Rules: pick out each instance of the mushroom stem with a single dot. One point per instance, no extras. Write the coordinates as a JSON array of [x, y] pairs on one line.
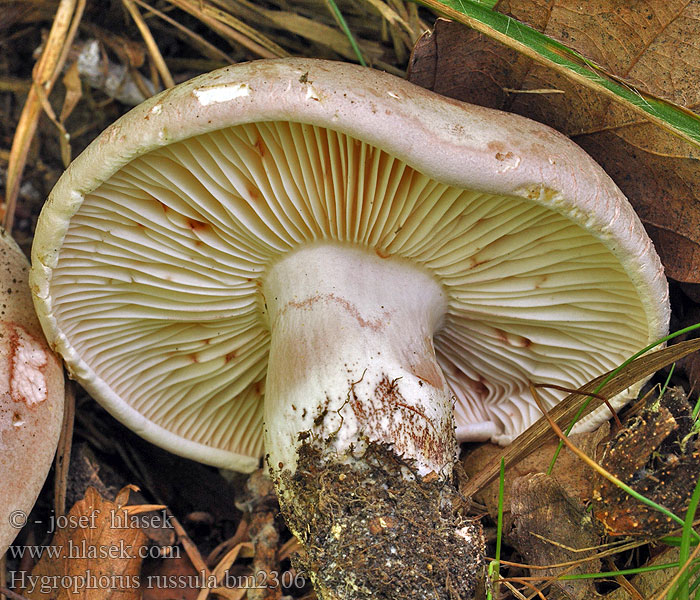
[[359, 427], [352, 358]]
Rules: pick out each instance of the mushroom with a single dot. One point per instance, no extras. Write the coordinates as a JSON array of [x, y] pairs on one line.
[[31, 396], [379, 264]]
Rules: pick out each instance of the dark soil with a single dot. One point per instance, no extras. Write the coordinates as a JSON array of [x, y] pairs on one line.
[[374, 528]]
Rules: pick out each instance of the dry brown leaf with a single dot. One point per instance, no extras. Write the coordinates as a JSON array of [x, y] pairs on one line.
[[649, 583], [577, 481], [177, 569], [549, 527], [74, 91], [96, 556], [651, 44]]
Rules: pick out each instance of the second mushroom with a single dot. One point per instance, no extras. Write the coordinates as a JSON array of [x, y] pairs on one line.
[[328, 266]]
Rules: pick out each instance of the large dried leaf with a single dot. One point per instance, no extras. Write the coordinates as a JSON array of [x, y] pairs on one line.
[[96, 556], [550, 527], [652, 44], [567, 470]]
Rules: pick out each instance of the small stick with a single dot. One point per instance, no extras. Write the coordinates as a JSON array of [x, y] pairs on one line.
[[261, 512], [65, 444]]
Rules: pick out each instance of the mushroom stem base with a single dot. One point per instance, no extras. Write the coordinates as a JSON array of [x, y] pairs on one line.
[[374, 528], [352, 358]]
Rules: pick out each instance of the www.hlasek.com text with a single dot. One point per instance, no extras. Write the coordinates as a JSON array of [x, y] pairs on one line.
[[84, 550]]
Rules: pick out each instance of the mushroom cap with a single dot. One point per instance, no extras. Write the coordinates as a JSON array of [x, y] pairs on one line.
[[150, 252], [31, 395]]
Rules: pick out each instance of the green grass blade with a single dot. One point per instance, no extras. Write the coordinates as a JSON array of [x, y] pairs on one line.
[[499, 526], [346, 30], [682, 591], [495, 565], [635, 571], [674, 540], [668, 380], [695, 586], [547, 51]]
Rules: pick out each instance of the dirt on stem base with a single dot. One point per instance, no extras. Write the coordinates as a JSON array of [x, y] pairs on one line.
[[373, 528]]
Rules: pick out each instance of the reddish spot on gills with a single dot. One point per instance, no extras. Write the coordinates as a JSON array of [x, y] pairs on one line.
[[254, 194], [466, 384], [260, 147], [195, 225], [512, 339]]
